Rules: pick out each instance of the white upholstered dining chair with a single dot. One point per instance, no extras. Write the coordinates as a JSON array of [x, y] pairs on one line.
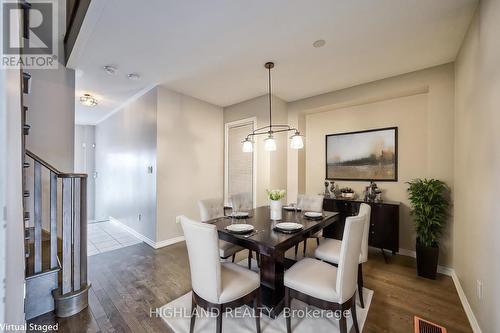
[[242, 202], [211, 209], [216, 286], [309, 203], [326, 286], [329, 250]]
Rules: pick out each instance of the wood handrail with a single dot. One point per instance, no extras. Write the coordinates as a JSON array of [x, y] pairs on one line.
[[58, 173]]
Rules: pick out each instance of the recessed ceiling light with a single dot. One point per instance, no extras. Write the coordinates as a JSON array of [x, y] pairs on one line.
[[319, 43], [88, 100], [133, 76], [111, 70]]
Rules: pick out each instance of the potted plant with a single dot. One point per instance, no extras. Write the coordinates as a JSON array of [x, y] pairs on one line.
[[429, 204], [275, 197]]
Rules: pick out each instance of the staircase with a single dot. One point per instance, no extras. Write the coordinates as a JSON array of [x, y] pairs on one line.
[[55, 224]]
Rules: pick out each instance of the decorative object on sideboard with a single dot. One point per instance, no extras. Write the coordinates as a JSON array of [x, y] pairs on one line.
[[334, 190], [347, 193], [429, 199], [363, 155], [296, 140], [327, 191], [275, 204], [373, 193]]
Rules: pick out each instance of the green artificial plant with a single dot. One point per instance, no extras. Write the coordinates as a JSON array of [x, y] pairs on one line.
[[429, 203]]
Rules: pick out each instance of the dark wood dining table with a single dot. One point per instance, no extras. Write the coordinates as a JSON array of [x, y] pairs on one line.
[[271, 246]]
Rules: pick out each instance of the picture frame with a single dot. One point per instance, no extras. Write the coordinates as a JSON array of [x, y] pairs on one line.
[[368, 155]]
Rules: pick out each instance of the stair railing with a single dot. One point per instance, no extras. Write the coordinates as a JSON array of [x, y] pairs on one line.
[[71, 241]]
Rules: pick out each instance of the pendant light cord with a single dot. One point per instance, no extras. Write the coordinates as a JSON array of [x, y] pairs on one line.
[[270, 104]]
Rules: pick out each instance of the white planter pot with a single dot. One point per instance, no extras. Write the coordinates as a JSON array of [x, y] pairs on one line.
[[276, 211]]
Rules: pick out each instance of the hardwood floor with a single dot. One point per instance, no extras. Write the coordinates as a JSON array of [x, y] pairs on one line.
[[128, 282]]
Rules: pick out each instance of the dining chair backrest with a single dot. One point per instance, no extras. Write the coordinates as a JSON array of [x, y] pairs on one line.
[[310, 203], [347, 273], [210, 209], [365, 212], [242, 202], [204, 263]]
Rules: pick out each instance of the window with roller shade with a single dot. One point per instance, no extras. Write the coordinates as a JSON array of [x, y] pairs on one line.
[[238, 165]]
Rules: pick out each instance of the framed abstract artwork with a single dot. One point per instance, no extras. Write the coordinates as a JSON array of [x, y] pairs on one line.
[[363, 155]]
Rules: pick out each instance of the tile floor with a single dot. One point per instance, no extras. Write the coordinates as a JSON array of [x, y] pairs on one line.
[[108, 236]]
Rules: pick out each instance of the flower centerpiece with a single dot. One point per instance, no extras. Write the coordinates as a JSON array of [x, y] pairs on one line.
[[275, 197]]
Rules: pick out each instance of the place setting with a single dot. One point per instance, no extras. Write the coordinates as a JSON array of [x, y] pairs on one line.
[[288, 227], [313, 215]]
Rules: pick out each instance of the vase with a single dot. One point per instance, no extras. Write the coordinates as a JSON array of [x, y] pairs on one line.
[[276, 211]]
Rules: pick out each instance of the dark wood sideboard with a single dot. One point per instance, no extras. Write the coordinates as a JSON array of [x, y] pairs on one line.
[[384, 221]]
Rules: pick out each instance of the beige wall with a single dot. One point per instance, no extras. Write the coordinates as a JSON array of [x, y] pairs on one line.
[[271, 166], [477, 165], [189, 158], [51, 115], [419, 103]]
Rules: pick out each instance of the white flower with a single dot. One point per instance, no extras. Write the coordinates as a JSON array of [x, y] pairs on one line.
[[276, 194]]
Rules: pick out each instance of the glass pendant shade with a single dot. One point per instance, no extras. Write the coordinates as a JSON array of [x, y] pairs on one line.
[[247, 146], [270, 143], [296, 141]]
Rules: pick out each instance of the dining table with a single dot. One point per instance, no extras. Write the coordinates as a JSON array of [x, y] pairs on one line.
[[271, 245]]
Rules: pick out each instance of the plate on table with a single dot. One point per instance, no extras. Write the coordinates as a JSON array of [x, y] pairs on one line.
[[292, 208], [240, 215], [240, 228], [288, 227], [313, 215]]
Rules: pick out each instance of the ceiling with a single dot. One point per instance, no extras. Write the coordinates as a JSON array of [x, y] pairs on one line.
[[215, 50]]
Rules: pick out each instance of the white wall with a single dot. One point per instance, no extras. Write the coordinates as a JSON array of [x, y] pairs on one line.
[[85, 162], [271, 166], [419, 103], [125, 147], [477, 165], [190, 154], [14, 232], [11, 227]]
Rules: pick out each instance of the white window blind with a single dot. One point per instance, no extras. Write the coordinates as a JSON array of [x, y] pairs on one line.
[[239, 164]]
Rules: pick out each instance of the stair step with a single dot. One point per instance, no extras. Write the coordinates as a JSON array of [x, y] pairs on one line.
[[26, 82], [26, 194], [26, 129], [26, 165], [39, 299], [26, 216]]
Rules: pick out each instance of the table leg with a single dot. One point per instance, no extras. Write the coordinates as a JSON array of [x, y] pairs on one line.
[[272, 270], [383, 253]]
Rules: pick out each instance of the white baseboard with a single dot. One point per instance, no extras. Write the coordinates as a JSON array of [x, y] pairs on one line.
[[465, 303], [168, 242], [147, 240], [461, 294]]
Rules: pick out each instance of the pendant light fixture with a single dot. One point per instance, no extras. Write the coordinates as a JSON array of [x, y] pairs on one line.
[[296, 140]]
